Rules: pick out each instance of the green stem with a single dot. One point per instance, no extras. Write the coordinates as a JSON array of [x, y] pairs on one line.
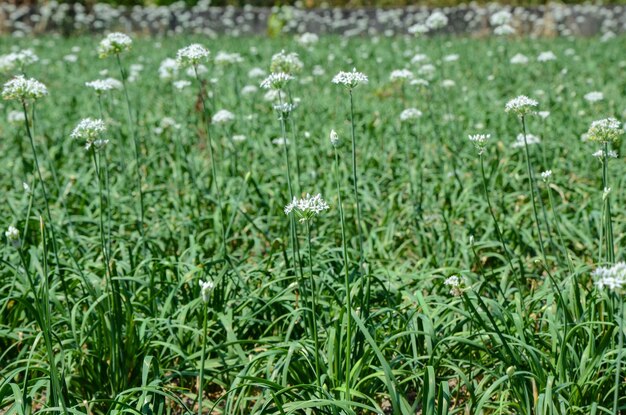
[[344, 245], [131, 129], [619, 354], [610, 250], [313, 307], [213, 165], [531, 183], [205, 312]]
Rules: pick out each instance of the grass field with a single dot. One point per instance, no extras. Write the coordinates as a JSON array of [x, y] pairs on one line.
[[160, 274]]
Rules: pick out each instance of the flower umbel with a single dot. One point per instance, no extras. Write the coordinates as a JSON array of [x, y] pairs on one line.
[[350, 80], [307, 207], [521, 106], [114, 44], [479, 141], [612, 278], [90, 130], [21, 88], [276, 80], [605, 130], [205, 290], [192, 55], [13, 236]]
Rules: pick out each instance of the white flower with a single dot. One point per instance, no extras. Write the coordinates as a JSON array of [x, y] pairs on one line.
[[605, 130], [544, 114], [456, 284], [436, 20], [238, 138], [288, 63], [22, 89], [103, 85], [307, 207], [168, 69], [420, 57], [192, 55], [600, 154], [546, 175], [205, 290], [280, 141], [19, 60], [90, 130], [504, 30], [422, 83], [479, 141], [276, 80], [13, 236], [519, 59], [180, 85], [521, 106], [307, 39], [256, 73], [334, 138], [501, 17], [448, 83], [114, 44], [225, 58], [350, 80], [223, 117], [612, 278], [400, 75], [410, 114], [418, 29], [530, 139], [594, 96], [16, 117], [546, 56]]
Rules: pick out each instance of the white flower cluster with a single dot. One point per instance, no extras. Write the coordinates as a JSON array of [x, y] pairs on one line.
[[307, 207], [103, 85], [350, 80], [114, 44], [90, 130], [605, 130], [479, 141], [13, 236], [546, 175], [521, 106], [437, 20], [22, 89], [519, 59], [612, 278], [334, 138], [288, 63], [168, 69], [410, 114], [205, 290], [400, 75], [600, 154], [19, 59], [594, 96], [223, 117], [456, 285], [530, 140], [192, 55], [276, 80], [225, 58], [16, 117], [307, 39], [546, 56]]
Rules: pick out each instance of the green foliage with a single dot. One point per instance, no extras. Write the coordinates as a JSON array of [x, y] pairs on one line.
[[533, 336]]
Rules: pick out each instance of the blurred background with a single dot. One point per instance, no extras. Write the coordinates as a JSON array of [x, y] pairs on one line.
[[312, 3]]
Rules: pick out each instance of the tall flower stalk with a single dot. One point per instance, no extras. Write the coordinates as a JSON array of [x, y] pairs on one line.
[[28, 91], [191, 56], [523, 106], [114, 45], [606, 132], [205, 292], [334, 140], [351, 80], [306, 209], [278, 81]]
